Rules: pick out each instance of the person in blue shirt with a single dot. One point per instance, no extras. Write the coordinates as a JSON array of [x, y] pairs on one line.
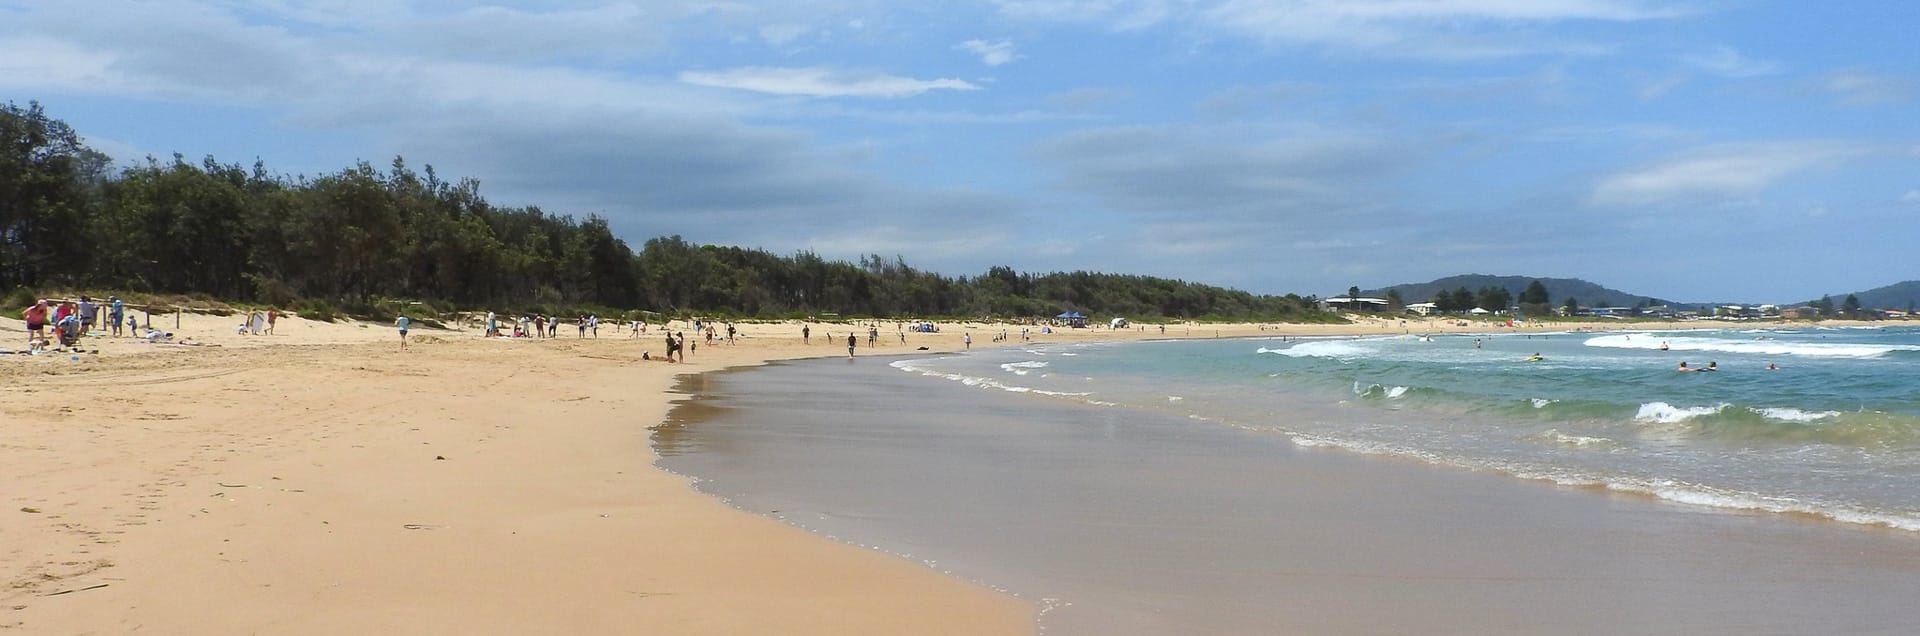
[[116, 314], [401, 323]]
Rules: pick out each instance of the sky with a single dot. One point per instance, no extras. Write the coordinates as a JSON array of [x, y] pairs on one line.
[[1697, 150]]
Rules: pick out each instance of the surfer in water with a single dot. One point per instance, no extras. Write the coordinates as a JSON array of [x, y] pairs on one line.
[[1535, 357]]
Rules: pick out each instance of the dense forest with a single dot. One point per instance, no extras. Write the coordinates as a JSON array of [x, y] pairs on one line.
[[364, 237]]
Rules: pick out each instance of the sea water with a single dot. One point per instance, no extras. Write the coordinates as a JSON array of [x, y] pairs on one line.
[[1808, 420]]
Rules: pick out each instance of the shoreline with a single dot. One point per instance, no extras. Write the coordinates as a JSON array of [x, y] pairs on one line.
[[1131, 521], [295, 482]]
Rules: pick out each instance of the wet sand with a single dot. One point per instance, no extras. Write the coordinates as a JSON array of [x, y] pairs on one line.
[[1121, 522]]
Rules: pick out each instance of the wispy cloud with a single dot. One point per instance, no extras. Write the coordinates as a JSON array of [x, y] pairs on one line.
[[820, 82], [1445, 29], [1725, 61], [993, 53], [1724, 171], [1856, 88]]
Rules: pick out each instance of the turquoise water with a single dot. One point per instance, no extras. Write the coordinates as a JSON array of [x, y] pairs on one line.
[[1833, 431]]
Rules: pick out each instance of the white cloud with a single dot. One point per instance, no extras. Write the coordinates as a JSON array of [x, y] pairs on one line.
[[1912, 196], [1721, 172], [1449, 29], [820, 82], [1727, 62], [781, 34], [991, 53], [1120, 15], [1855, 88]]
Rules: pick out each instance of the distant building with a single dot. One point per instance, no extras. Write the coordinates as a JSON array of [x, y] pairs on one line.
[[1424, 309], [1344, 303], [1799, 313]]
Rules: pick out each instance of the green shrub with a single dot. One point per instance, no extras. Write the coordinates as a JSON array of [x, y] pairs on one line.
[[316, 309], [19, 299]]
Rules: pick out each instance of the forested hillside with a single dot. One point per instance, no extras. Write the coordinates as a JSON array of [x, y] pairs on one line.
[[70, 219]]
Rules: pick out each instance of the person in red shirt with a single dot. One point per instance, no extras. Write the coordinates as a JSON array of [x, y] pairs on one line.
[[36, 317]]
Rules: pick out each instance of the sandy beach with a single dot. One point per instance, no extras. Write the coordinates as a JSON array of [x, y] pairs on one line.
[[322, 480]]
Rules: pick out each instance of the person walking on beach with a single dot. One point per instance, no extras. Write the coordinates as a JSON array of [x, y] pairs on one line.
[[851, 341], [401, 324]]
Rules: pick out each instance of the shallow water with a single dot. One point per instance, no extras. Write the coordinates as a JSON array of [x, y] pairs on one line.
[[1124, 520]]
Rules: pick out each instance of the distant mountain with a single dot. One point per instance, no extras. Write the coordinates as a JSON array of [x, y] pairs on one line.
[[1896, 296], [1589, 294]]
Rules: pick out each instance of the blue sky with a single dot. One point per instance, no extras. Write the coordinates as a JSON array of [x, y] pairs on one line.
[[1702, 151]]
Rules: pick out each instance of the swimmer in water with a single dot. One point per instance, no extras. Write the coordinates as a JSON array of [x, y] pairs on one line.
[[1663, 345], [1683, 367], [1770, 367], [1712, 366]]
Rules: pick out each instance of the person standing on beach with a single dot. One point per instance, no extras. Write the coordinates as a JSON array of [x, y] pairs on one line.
[[806, 334], [851, 341], [116, 313], [968, 340], [88, 313], [401, 324], [672, 348]]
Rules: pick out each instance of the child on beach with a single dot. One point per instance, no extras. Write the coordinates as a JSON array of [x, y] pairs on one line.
[[401, 323]]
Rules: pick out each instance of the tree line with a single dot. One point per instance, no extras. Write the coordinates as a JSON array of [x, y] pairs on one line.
[[70, 219]]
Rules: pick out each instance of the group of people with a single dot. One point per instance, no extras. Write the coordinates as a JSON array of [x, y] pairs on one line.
[[538, 326], [70, 320]]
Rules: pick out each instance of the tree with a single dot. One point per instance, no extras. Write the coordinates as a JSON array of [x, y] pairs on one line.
[[1573, 306], [1394, 302], [1825, 306], [1534, 300], [44, 197], [1353, 298], [1462, 300], [1493, 298], [1851, 306]]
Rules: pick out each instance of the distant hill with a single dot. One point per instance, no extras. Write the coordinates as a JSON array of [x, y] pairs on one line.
[[1589, 294], [1896, 296]]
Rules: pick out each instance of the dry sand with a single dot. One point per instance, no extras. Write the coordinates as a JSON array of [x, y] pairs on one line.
[[321, 480]]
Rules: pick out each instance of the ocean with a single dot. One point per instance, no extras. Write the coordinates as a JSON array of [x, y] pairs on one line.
[[1831, 429], [1357, 485]]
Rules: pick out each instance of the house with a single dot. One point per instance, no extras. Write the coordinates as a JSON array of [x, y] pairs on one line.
[[1799, 313], [1343, 303], [1424, 309]]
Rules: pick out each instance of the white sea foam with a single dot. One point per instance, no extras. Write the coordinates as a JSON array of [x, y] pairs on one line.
[[976, 381], [1385, 391], [1541, 403], [1323, 349], [1665, 413], [1023, 368], [1795, 415], [1578, 441], [1669, 490], [1755, 347]]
